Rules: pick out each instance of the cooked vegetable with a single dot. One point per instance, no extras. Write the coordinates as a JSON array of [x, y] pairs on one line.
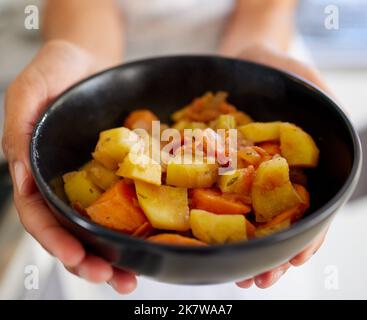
[[272, 148], [272, 192], [205, 108], [175, 239], [100, 176], [197, 174], [298, 147], [140, 119], [237, 181], [269, 230], [80, 189], [165, 207], [118, 209], [224, 121], [113, 145], [141, 167], [218, 229], [144, 186], [213, 201], [185, 124], [253, 155], [143, 231], [241, 118], [261, 131]]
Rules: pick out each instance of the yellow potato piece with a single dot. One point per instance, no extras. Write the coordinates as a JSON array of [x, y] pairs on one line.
[[102, 177], [113, 145], [80, 189], [198, 174], [217, 229], [224, 121], [260, 131], [165, 207], [272, 191], [234, 181], [298, 147], [140, 167]]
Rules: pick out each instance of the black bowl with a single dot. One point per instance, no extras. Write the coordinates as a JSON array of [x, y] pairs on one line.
[[66, 134]]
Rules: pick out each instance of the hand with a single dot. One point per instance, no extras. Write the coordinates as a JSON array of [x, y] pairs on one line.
[[277, 59], [57, 66]]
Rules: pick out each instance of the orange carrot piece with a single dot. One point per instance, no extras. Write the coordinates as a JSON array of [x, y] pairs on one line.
[[141, 119], [281, 217], [175, 239], [212, 200], [118, 209], [271, 148], [253, 155], [145, 230], [250, 229]]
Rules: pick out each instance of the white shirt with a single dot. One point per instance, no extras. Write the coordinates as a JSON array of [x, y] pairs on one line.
[[160, 27]]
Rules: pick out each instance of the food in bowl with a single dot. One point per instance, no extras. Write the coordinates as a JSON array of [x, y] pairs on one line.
[[212, 177]]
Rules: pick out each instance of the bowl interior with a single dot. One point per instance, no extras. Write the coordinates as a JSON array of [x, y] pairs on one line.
[[68, 132]]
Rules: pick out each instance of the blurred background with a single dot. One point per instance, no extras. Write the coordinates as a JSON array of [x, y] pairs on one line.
[[340, 54]]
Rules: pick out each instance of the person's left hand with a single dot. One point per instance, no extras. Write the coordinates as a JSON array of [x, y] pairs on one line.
[[268, 56]]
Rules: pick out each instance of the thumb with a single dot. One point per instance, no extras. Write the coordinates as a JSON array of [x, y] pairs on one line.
[[57, 66]]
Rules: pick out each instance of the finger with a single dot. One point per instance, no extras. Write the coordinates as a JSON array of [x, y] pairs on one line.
[[41, 224], [268, 278], [93, 269], [305, 255], [123, 282], [277, 59], [245, 284]]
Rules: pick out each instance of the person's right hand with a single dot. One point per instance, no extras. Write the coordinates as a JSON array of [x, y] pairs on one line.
[[56, 67]]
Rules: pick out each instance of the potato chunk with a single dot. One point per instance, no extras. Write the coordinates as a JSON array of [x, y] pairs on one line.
[[198, 174], [217, 229], [298, 147], [260, 131], [113, 145], [140, 167], [237, 181], [166, 207], [102, 177], [80, 189], [272, 192]]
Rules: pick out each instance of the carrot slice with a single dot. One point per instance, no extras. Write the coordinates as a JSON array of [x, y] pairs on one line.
[[143, 231], [250, 229], [271, 148], [213, 201], [287, 214], [175, 239], [141, 119], [253, 155], [118, 209]]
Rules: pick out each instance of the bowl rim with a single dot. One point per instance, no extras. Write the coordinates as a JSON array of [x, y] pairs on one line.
[[299, 227]]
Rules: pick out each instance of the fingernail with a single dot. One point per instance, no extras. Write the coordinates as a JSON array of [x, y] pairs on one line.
[[20, 175]]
